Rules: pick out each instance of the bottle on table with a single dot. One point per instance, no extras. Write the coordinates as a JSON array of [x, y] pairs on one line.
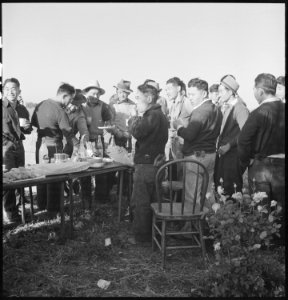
[[43, 152], [99, 146]]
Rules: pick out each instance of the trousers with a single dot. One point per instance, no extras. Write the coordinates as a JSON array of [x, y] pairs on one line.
[[143, 194]]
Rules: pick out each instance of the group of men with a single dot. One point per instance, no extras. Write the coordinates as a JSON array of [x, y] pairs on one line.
[[212, 125]]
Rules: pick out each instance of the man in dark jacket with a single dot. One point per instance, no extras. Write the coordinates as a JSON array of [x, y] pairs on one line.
[[261, 143], [150, 130]]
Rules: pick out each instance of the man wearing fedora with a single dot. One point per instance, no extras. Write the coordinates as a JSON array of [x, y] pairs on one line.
[[97, 113], [235, 114], [123, 108]]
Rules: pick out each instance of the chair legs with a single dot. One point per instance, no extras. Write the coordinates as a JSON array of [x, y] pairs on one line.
[[163, 243], [203, 248], [153, 232]]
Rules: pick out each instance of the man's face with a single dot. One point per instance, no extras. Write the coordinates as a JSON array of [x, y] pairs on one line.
[[11, 91], [172, 91], [195, 95], [214, 96], [122, 95], [66, 98], [224, 94], [280, 91], [142, 102], [93, 92]]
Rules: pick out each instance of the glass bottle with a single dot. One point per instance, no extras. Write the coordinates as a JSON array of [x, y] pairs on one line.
[[43, 152], [100, 146]]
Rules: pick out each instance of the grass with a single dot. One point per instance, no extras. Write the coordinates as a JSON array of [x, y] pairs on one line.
[[36, 263]]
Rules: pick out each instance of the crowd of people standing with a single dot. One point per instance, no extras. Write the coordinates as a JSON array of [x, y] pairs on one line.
[[209, 124]]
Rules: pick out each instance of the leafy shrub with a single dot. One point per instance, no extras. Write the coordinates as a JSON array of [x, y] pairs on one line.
[[241, 228]]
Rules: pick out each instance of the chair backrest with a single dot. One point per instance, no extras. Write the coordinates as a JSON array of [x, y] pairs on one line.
[[167, 185]]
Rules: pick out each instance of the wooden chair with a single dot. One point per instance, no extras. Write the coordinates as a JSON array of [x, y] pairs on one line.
[[166, 210]]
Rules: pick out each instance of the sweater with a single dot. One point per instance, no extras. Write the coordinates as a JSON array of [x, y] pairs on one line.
[[151, 134], [263, 133], [202, 130]]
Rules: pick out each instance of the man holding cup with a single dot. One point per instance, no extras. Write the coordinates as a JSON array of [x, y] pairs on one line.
[[12, 134]]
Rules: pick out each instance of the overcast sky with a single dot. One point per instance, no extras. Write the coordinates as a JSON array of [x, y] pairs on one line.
[[45, 44]]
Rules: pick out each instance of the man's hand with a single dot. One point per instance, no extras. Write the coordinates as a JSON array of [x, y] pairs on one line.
[[223, 149], [178, 122]]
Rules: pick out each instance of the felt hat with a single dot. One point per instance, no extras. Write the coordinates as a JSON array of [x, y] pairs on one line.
[[153, 84], [230, 83], [95, 85], [124, 85]]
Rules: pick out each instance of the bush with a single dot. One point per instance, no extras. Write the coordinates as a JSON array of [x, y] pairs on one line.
[[242, 227]]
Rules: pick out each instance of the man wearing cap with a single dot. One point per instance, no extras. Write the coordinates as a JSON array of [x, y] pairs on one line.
[[97, 113], [151, 132], [235, 114], [280, 90], [261, 143], [52, 125], [161, 100], [123, 108]]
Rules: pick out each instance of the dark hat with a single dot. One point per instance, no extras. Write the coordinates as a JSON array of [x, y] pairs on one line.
[[95, 85], [153, 84], [124, 85]]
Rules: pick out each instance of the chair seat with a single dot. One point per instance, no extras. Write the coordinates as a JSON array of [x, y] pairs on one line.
[[176, 185], [187, 213]]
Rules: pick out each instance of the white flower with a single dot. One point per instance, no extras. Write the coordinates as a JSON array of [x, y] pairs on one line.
[[256, 246], [237, 237], [260, 208], [220, 190], [252, 203], [223, 198], [257, 197], [215, 207], [273, 203], [208, 196], [237, 196], [217, 246], [263, 235]]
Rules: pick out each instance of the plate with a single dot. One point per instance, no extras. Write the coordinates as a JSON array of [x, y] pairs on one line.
[[97, 165], [107, 160], [105, 127]]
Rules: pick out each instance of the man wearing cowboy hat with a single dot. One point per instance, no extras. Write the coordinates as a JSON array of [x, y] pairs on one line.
[[97, 113], [235, 114], [123, 108]]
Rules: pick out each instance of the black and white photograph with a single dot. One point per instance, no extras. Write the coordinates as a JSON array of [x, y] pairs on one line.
[[143, 149]]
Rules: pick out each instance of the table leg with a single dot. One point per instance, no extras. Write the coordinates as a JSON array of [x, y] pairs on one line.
[[71, 200], [121, 174], [23, 205], [62, 210], [31, 203]]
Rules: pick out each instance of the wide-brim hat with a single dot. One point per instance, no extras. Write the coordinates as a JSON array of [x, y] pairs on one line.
[[124, 85], [95, 85], [230, 83], [153, 84]]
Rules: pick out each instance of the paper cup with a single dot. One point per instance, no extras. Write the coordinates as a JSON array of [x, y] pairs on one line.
[[22, 122]]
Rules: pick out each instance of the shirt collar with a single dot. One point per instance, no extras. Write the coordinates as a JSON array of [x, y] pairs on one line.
[[198, 105], [272, 99]]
